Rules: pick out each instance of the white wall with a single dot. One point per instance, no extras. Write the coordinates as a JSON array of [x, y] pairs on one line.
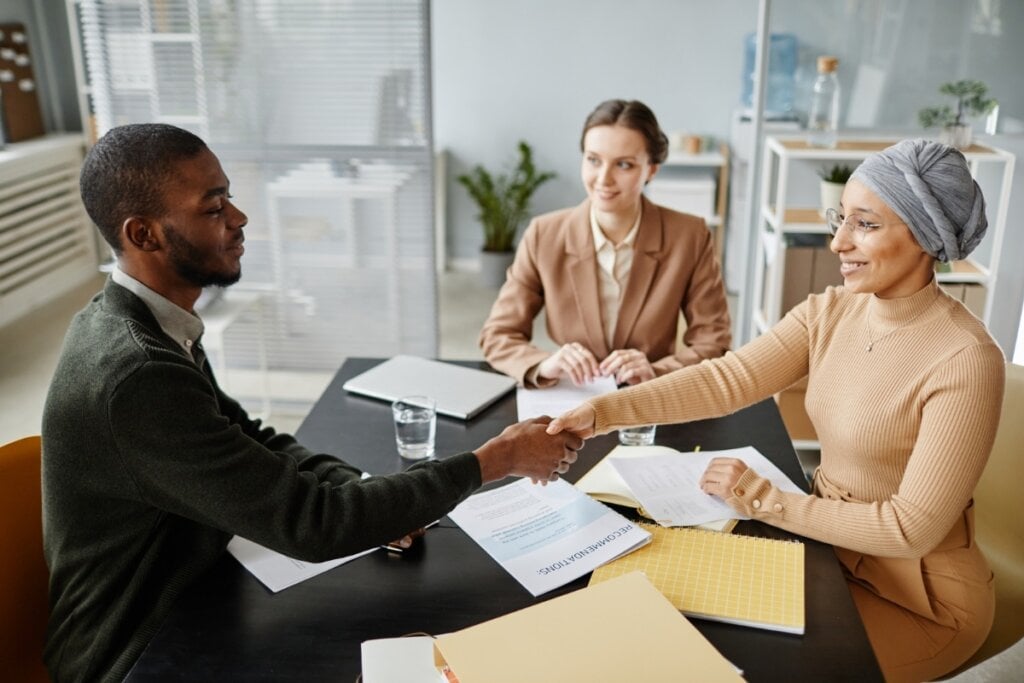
[[534, 69]]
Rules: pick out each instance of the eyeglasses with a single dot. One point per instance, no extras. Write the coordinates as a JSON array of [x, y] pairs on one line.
[[856, 223]]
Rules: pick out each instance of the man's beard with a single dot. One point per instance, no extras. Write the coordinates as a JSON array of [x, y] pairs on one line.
[[187, 261]]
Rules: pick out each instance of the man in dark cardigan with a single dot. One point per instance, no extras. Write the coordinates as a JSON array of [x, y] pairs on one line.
[[149, 468]]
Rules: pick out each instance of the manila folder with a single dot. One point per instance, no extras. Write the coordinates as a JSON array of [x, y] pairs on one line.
[[621, 630]]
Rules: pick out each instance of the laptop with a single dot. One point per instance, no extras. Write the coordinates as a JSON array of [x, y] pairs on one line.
[[458, 391]]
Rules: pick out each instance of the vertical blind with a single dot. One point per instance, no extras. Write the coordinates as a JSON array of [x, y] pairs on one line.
[[319, 112]]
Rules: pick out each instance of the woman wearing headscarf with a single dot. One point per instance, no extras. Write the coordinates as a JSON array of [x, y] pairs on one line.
[[613, 273], [904, 387]]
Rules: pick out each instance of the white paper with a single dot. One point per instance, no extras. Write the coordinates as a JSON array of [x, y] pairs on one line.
[[667, 483], [277, 571], [546, 536], [555, 400], [400, 660], [604, 483]]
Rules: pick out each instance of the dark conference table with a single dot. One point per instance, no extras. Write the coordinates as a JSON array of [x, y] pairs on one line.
[[229, 627]]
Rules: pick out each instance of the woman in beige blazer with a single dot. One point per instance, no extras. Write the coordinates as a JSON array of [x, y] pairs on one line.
[[613, 273]]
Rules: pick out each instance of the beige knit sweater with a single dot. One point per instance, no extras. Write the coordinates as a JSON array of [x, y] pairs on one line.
[[905, 428]]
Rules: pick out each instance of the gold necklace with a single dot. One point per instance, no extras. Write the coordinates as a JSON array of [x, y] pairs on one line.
[[872, 341]]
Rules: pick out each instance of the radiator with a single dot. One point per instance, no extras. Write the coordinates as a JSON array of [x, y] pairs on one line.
[[47, 243]]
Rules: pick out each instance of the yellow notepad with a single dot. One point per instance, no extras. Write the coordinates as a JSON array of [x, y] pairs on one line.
[[726, 577]]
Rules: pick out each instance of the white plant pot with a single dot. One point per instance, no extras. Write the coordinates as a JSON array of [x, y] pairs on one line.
[[959, 136], [831, 195], [493, 265]]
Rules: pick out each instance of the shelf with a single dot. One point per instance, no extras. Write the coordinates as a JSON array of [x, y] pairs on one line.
[[966, 272], [797, 220], [853, 149], [704, 159], [718, 160]]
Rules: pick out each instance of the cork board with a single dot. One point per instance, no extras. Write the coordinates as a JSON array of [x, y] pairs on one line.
[[22, 117]]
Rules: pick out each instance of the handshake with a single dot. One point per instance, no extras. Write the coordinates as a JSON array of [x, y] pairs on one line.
[[540, 448]]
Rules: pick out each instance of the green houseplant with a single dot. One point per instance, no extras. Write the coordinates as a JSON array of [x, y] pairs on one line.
[[970, 101], [504, 203], [833, 180]]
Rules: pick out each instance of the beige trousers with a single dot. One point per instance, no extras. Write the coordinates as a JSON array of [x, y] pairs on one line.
[[926, 616]]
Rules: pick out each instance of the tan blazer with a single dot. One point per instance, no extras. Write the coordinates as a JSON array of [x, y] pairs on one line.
[[674, 269]]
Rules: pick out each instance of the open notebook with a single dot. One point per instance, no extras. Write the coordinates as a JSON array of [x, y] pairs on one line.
[[603, 483], [457, 391]]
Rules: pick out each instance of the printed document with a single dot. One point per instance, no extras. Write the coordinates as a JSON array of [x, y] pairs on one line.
[[559, 398], [546, 536], [667, 483], [277, 571]]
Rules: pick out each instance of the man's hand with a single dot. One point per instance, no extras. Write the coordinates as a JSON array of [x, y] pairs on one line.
[[405, 542], [574, 361], [578, 421], [525, 449], [628, 366]]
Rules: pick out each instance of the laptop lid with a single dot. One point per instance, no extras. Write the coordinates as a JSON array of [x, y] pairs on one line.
[[458, 391]]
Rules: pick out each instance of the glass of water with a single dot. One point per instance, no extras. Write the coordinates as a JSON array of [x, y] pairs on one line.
[[637, 436], [415, 424]]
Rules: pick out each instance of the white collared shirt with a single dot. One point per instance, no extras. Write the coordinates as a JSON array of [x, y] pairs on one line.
[[615, 261], [184, 327]]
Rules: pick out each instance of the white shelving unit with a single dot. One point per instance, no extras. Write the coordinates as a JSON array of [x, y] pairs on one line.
[[787, 211], [779, 217], [715, 161]]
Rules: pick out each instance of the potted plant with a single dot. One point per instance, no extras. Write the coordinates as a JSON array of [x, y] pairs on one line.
[[833, 180], [970, 101], [504, 203]]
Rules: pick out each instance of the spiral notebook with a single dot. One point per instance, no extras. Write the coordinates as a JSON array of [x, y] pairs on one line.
[[737, 579]]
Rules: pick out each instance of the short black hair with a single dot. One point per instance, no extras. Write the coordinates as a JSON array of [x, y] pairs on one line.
[[123, 173]]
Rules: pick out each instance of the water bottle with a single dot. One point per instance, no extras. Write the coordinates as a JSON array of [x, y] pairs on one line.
[[781, 74], [823, 119]]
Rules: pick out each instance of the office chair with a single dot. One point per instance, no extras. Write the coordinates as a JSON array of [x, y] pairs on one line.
[[23, 575], [999, 524]]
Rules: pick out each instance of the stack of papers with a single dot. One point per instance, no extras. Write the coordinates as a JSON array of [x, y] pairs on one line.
[[546, 536], [664, 484]]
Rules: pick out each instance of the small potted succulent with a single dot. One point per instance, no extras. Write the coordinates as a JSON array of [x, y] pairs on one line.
[[833, 180], [955, 123]]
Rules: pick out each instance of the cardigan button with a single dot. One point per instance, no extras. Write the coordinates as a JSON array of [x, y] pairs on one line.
[[777, 507], [756, 505]]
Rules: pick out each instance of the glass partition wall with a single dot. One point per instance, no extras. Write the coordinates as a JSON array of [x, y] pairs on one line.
[[893, 57], [320, 114]]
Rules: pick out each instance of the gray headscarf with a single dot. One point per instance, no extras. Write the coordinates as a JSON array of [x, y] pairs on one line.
[[930, 188]]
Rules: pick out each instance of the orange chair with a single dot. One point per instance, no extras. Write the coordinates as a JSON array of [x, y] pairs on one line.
[[23, 575]]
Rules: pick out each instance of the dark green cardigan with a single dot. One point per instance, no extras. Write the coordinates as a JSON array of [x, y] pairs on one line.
[[149, 469]]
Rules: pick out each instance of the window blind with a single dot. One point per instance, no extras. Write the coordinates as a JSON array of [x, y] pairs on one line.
[[319, 113]]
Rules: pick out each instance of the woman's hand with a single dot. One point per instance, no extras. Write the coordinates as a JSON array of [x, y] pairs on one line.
[[628, 366], [573, 360], [578, 421], [721, 476]]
